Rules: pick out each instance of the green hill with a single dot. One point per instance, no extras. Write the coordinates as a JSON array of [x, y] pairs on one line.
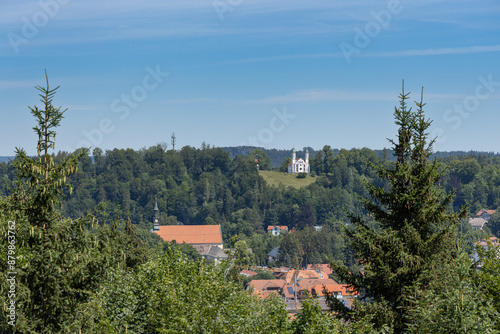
[[275, 178]]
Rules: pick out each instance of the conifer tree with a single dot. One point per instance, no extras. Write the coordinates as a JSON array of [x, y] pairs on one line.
[[53, 253], [414, 231]]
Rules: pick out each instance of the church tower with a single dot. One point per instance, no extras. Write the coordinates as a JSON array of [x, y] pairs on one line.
[[299, 165], [156, 219]]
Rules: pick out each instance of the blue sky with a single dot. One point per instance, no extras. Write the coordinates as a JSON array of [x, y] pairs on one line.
[[277, 74]]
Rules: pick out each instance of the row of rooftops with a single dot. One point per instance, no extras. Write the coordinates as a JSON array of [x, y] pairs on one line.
[[290, 284]]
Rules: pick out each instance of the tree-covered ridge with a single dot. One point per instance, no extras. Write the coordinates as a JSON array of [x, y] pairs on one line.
[[205, 186]]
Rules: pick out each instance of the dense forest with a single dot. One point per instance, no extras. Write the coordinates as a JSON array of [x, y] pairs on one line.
[[206, 186], [79, 257]]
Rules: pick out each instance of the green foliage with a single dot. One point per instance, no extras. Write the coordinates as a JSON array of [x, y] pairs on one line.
[[60, 261], [172, 294], [311, 320], [284, 165], [494, 223], [308, 246], [451, 303], [489, 275], [259, 157], [414, 231], [54, 274], [74, 274]]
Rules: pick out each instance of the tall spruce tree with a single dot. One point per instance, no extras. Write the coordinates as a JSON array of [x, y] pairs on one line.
[[53, 253], [414, 232]]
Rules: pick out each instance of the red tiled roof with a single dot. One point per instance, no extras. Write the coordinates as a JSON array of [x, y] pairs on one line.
[[248, 273], [304, 274], [323, 267], [281, 227], [342, 288], [191, 234], [484, 243], [487, 211], [266, 284], [305, 285], [265, 294]]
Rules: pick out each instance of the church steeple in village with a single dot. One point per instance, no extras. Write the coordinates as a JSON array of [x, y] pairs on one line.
[[156, 218]]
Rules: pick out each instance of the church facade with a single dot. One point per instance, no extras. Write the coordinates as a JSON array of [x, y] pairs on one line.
[[299, 165]]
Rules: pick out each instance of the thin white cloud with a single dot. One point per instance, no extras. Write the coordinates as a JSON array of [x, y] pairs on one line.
[[325, 95], [401, 53], [435, 51], [333, 95]]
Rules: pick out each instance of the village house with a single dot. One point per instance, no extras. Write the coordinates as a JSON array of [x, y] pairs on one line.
[[485, 214], [201, 237], [303, 287], [248, 273], [291, 275], [206, 239], [322, 267], [477, 223], [264, 287], [273, 254], [276, 229]]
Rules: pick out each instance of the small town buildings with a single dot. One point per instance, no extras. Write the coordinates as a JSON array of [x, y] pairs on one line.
[[302, 288], [264, 287], [477, 223], [276, 229], [273, 254], [486, 214], [299, 165], [216, 254]]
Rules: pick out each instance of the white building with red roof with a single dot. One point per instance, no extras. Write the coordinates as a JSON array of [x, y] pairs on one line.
[[276, 229]]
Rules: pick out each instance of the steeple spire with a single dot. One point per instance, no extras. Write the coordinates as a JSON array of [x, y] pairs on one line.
[[156, 219]]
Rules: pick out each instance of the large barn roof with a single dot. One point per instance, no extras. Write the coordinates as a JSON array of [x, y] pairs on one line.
[[191, 234]]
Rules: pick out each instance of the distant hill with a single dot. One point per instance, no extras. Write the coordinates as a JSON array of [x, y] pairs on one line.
[[277, 178], [277, 156], [5, 159]]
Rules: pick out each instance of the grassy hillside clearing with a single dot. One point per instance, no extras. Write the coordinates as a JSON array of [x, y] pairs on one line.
[[276, 178]]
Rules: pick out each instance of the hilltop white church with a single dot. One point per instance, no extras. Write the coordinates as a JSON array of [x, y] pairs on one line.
[[299, 165]]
